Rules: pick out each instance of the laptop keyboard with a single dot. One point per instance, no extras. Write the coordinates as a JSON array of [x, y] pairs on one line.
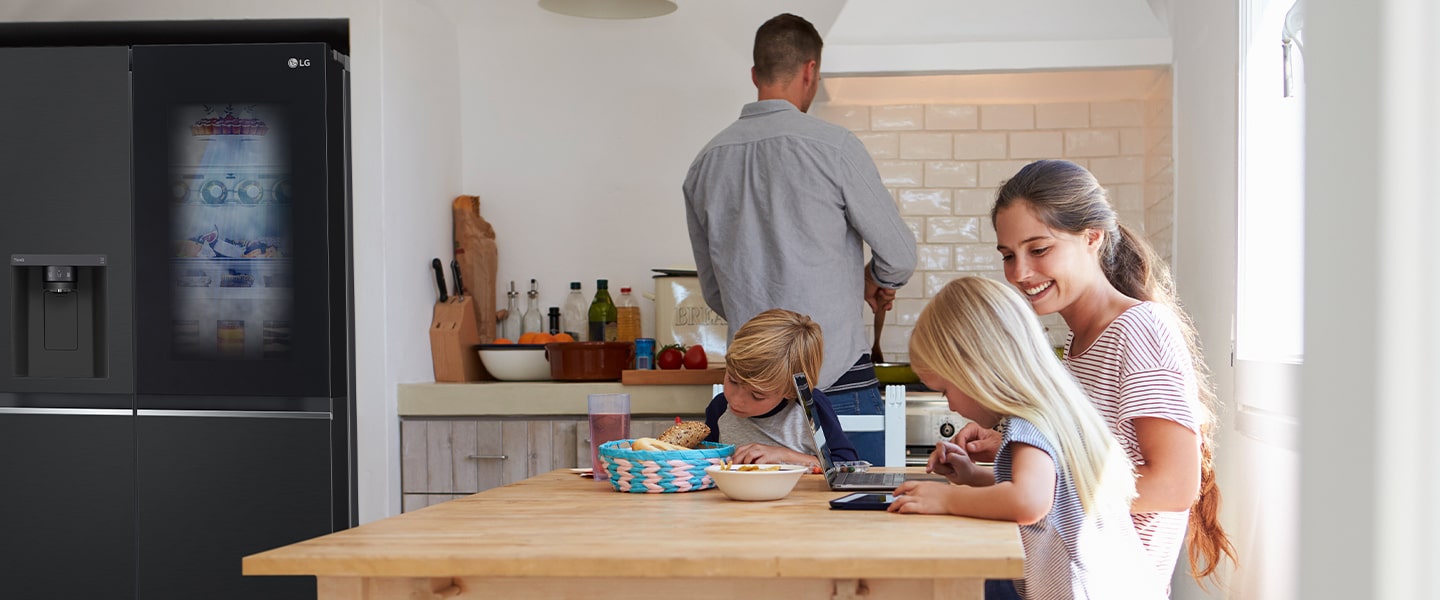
[[870, 478]]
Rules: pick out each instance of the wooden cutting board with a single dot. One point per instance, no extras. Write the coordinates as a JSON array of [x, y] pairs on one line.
[[672, 377]]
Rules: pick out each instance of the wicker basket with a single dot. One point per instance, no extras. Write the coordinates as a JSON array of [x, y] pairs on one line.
[[661, 472]]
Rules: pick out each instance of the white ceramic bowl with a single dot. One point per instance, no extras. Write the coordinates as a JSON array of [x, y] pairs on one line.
[[767, 482], [515, 362]]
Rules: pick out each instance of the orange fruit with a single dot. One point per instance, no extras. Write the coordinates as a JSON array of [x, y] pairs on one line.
[[563, 337], [502, 341], [527, 338], [542, 338]]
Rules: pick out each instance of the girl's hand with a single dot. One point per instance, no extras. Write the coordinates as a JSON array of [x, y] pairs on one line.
[[761, 453], [951, 461], [980, 443], [921, 497]]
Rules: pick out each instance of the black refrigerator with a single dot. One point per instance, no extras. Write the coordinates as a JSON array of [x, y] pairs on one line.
[[176, 386]]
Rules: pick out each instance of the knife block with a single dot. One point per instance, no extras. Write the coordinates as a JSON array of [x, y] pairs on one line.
[[453, 336]]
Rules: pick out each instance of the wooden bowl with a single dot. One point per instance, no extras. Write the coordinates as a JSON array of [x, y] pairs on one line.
[[589, 361]]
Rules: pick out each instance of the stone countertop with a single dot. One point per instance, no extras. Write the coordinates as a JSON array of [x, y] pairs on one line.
[[543, 398]]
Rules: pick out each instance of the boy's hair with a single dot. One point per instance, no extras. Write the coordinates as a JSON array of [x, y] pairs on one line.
[[782, 45], [771, 347], [982, 337], [1067, 197]]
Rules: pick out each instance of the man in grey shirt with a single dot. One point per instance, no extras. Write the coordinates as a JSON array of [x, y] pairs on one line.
[[779, 205]]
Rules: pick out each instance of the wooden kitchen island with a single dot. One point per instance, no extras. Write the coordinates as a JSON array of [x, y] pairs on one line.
[[558, 535]]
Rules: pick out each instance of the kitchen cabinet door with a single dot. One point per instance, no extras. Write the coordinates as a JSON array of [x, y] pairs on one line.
[[444, 458]]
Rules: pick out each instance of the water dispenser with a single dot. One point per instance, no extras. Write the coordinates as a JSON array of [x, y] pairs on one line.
[[59, 315]]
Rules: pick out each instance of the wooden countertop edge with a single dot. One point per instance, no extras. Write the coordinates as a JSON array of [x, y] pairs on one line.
[[445, 566]]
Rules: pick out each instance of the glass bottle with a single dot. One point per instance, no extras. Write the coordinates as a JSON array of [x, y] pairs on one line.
[[533, 320], [627, 317], [554, 315], [510, 329], [603, 326], [575, 318]]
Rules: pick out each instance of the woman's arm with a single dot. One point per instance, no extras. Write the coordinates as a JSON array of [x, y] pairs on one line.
[[1169, 479], [980, 443], [1025, 499], [954, 463]]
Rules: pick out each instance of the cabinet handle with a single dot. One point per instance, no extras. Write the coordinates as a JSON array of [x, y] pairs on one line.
[[487, 457]]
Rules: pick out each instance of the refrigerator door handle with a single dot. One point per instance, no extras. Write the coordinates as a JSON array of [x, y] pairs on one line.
[[99, 412], [234, 414]]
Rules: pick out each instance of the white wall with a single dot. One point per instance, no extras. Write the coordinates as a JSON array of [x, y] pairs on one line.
[[419, 175], [404, 103], [1371, 478], [578, 133], [1206, 42]]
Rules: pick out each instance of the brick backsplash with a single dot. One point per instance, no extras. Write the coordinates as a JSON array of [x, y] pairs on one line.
[[943, 163]]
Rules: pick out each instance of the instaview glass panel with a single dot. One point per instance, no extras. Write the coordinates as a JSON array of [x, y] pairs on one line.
[[231, 224]]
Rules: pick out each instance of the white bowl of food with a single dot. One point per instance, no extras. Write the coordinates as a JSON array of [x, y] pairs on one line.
[[756, 483], [515, 362]]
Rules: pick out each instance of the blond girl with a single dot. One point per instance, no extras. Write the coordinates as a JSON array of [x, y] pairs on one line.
[[1059, 472]]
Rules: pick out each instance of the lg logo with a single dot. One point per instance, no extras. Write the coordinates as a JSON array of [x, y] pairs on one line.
[[298, 62]]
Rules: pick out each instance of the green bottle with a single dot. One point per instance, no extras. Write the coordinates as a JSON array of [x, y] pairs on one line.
[[604, 325]]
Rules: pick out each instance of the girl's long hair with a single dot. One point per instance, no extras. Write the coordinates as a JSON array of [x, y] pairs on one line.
[[771, 347], [982, 337], [1066, 197]]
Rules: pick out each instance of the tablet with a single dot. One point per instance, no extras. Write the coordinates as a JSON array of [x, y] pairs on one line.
[[863, 501]]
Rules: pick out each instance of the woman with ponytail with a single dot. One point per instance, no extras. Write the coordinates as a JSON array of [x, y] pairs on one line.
[[1131, 346]]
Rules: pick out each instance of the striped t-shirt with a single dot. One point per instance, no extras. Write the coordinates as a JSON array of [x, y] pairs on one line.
[[1069, 554], [1140, 366]]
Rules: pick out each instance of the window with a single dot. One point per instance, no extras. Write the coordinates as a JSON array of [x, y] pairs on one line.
[[1270, 308]]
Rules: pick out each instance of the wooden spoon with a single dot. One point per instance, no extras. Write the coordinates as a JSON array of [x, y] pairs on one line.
[[875, 355]]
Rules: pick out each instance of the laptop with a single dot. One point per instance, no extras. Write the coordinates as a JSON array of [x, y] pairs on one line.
[[847, 480]]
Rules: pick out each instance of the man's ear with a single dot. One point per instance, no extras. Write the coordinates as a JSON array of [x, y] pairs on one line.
[[754, 77], [811, 72]]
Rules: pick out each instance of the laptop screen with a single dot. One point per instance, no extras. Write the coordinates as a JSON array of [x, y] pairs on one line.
[[807, 401]]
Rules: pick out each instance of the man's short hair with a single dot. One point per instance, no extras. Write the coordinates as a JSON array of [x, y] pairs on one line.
[[782, 45]]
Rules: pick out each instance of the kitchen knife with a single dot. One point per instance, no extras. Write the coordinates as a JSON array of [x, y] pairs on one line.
[[455, 278], [439, 278]]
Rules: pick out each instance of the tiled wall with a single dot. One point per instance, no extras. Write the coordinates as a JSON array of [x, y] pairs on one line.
[[944, 162]]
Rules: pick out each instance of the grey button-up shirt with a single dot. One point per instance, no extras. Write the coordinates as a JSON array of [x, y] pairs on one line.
[[778, 206]]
